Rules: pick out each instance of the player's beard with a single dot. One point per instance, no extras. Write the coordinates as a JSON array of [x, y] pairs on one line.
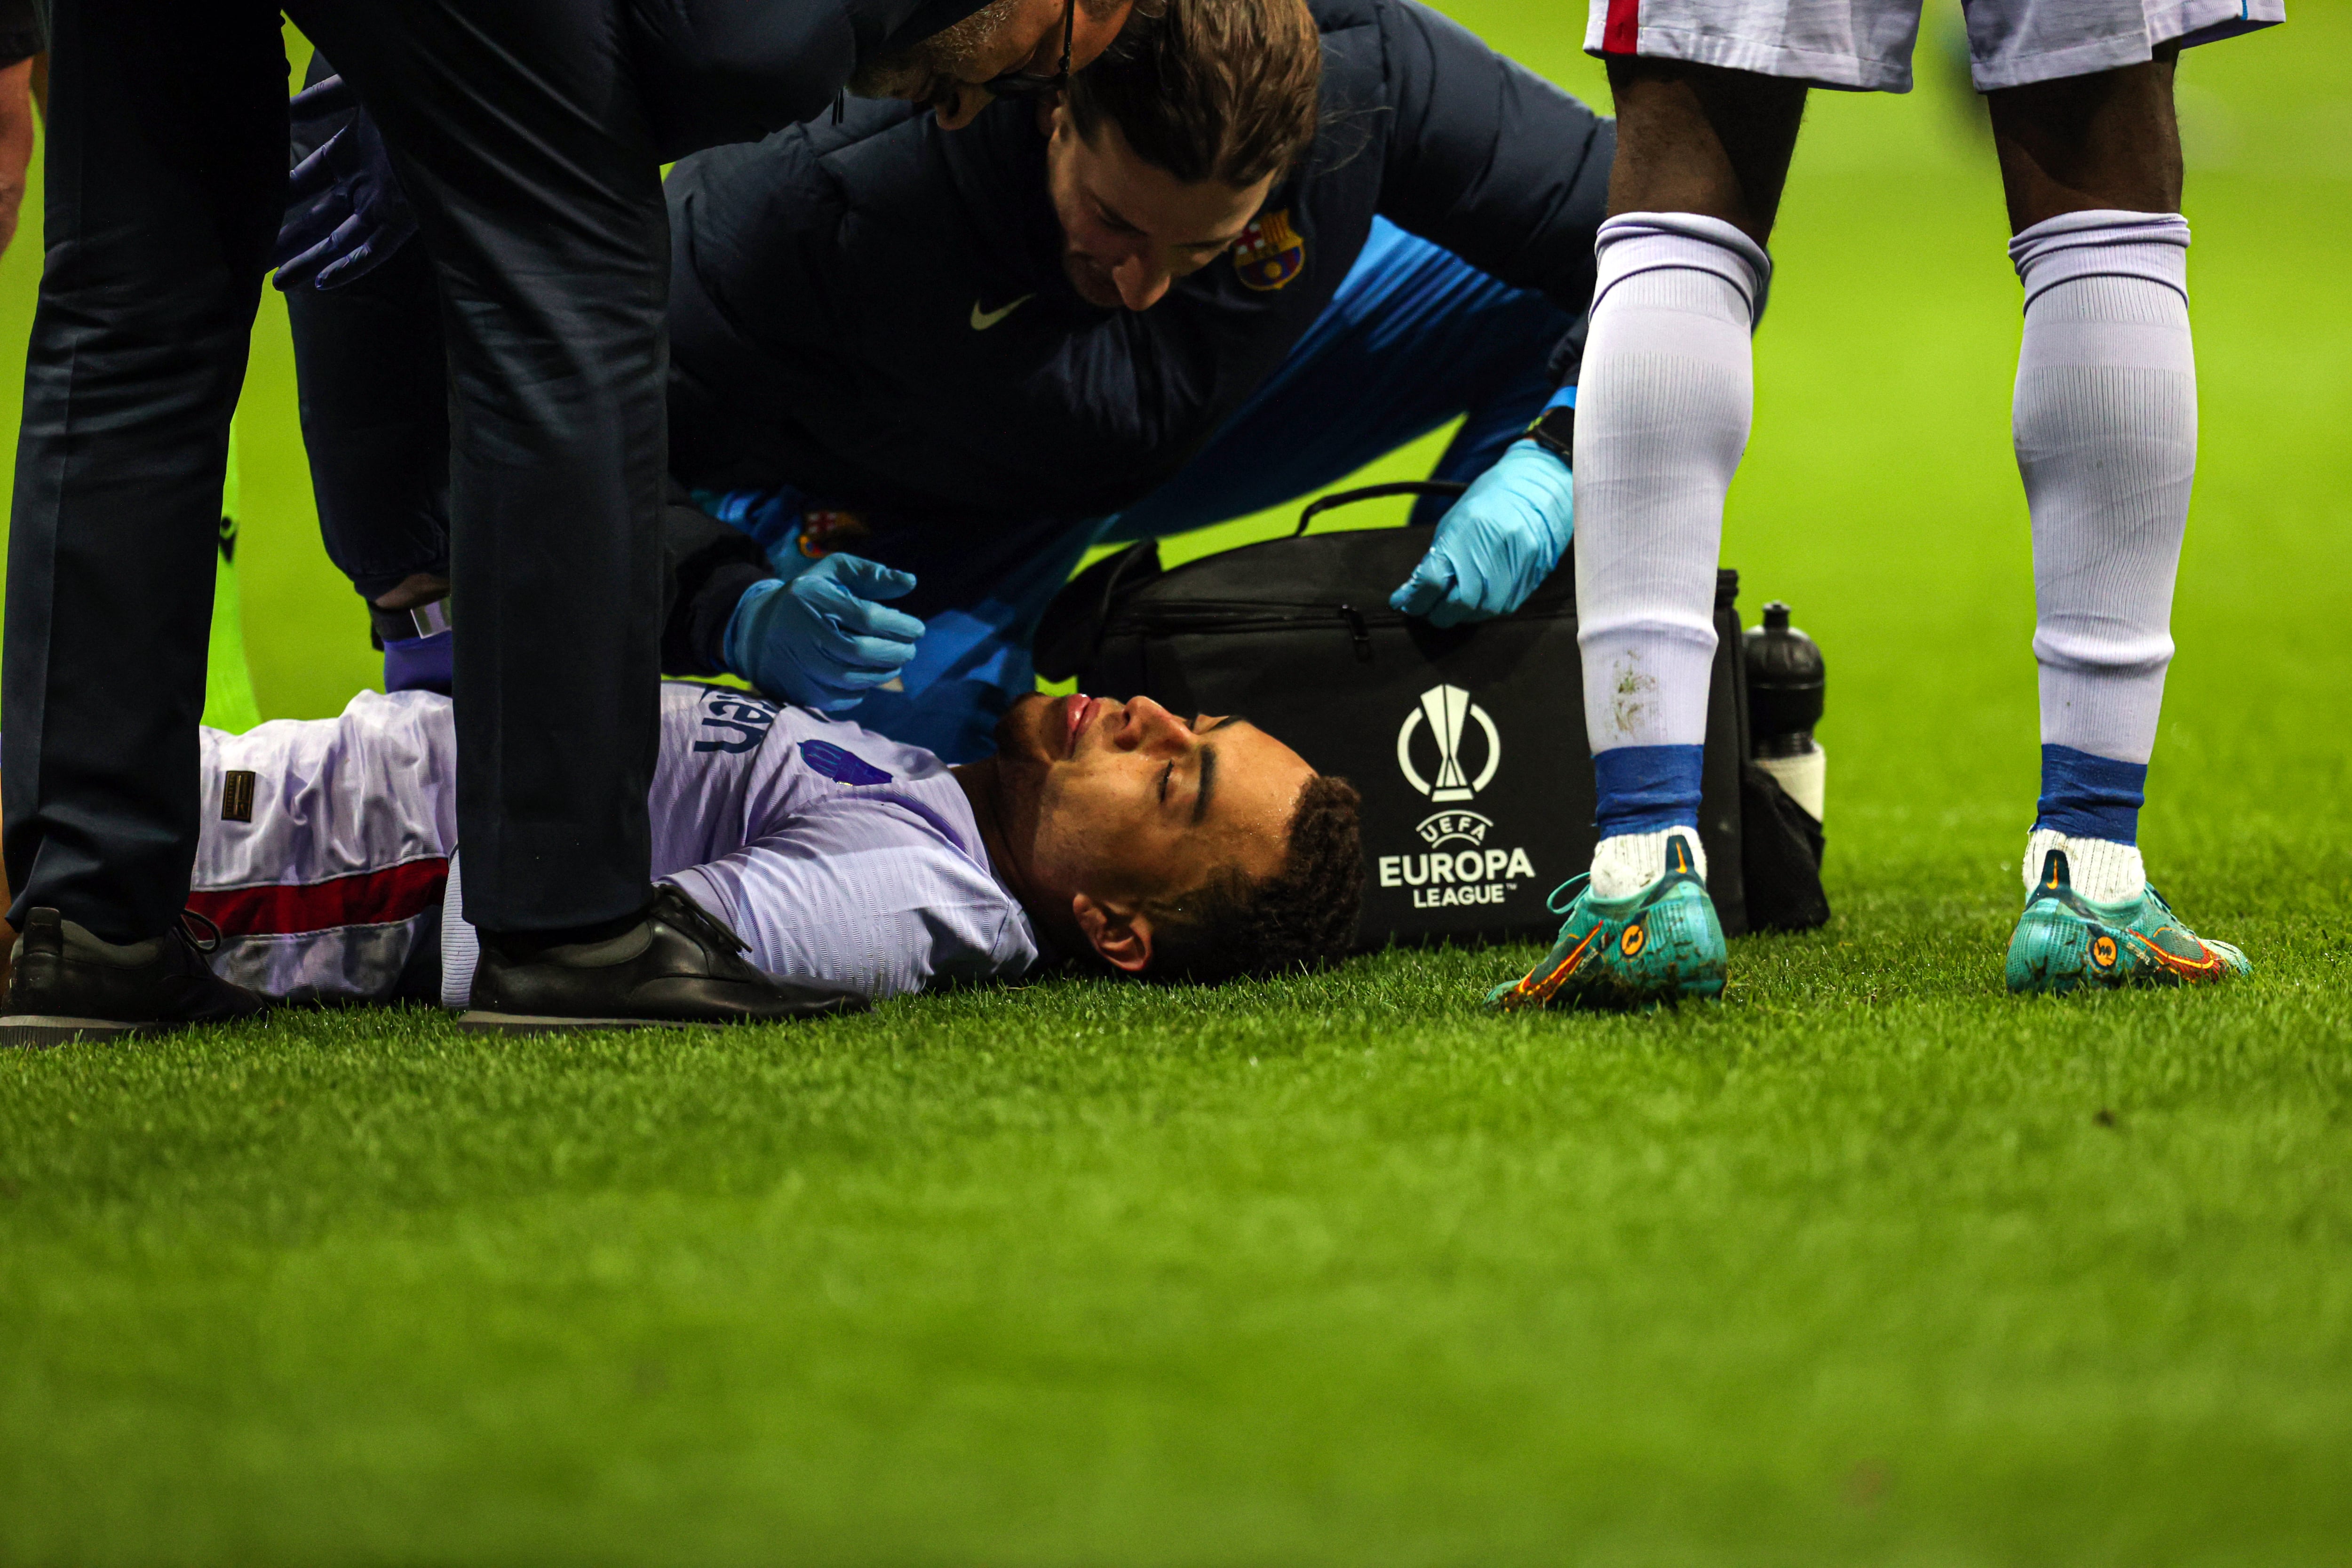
[[1021, 737], [924, 71], [1009, 786]]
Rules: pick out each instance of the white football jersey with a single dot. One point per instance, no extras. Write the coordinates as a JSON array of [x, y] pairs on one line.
[[842, 859]]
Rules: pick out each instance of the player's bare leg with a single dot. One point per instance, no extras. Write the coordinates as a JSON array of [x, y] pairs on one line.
[[2108, 141], [1662, 412], [2105, 427], [2105, 423], [1693, 139]]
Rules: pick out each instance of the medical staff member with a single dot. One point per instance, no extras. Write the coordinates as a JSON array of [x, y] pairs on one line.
[[1252, 251], [528, 136], [1230, 270]]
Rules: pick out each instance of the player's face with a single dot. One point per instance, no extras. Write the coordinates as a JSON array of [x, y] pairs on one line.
[[1126, 802], [945, 71], [1130, 230]]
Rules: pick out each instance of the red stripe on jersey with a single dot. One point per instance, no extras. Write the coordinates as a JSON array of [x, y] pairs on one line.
[[1621, 33], [361, 898]]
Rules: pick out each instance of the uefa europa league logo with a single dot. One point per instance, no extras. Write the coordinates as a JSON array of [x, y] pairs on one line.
[[1446, 710]]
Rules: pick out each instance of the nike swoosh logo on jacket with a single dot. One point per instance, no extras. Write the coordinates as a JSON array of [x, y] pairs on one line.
[[983, 320]]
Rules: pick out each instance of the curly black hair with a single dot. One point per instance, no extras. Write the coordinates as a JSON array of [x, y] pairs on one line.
[[1302, 917]]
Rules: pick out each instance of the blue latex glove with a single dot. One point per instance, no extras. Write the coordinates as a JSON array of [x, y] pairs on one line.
[[821, 640], [1497, 543], [345, 212]]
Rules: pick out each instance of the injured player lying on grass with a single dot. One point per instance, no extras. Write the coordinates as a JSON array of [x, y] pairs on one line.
[[1100, 832]]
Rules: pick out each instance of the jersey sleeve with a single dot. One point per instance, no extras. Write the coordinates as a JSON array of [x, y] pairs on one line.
[[1490, 161], [865, 895]]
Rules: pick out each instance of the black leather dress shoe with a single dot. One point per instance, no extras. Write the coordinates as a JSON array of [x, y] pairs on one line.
[[676, 966], [67, 985]]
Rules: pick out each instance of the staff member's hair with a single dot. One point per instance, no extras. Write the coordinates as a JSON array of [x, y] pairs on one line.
[[1228, 90]]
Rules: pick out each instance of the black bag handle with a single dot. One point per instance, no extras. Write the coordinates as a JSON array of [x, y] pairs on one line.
[[1070, 631], [1376, 492]]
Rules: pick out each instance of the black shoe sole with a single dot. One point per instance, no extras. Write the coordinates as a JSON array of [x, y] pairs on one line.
[[34, 1031], [38, 1031], [474, 1022]]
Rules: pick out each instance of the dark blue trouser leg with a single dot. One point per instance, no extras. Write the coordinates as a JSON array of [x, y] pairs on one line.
[[375, 421], [374, 383], [519, 133], [166, 175]]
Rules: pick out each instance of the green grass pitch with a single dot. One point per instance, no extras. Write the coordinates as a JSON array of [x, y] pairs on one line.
[[1870, 1263]]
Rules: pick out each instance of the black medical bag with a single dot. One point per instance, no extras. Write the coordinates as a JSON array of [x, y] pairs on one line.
[[1468, 744]]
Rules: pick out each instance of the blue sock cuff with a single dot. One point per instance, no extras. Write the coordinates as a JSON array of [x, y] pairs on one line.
[[1644, 789], [2091, 797]]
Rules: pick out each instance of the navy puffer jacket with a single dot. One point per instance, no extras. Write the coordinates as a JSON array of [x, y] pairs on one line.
[[826, 282]]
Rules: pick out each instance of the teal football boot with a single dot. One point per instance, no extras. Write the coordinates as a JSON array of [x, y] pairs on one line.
[[2064, 939], [1663, 944]]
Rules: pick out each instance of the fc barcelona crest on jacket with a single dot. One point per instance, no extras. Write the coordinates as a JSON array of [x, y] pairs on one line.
[[1269, 252]]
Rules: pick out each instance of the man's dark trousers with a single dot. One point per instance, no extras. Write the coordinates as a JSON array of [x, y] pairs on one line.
[[165, 182], [538, 190], [375, 381]]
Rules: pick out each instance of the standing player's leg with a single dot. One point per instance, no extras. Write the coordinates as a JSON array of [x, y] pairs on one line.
[[166, 178], [1663, 414], [2105, 424]]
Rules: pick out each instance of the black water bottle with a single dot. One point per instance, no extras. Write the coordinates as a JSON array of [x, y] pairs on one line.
[[1784, 704]]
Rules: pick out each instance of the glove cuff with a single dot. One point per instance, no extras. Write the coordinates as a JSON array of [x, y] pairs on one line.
[[1537, 459], [734, 651]]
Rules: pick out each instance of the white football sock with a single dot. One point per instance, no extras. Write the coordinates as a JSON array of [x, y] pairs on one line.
[[2106, 425], [2100, 869], [1624, 865], [1662, 416]]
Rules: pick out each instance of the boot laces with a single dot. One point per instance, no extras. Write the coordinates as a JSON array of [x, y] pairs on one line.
[[1568, 888]]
